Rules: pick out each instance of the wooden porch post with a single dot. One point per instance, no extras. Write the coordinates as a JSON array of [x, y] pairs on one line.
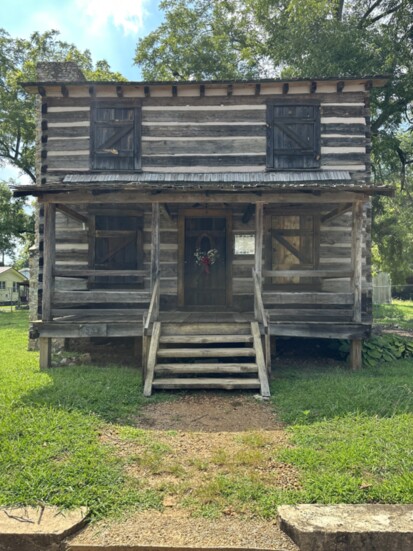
[[155, 230], [259, 234], [356, 280], [49, 255]]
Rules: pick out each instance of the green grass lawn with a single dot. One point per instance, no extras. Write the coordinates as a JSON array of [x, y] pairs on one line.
[[49, 429], [399, 313], [351, 437], [352, 432]]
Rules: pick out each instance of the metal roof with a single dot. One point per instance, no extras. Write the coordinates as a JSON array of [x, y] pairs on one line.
[[240, 178]]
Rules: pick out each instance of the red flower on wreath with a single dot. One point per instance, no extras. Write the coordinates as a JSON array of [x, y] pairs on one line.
[[206, 259]]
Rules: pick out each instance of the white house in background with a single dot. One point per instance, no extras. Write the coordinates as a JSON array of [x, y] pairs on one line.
[[11, 287], [25, 272]]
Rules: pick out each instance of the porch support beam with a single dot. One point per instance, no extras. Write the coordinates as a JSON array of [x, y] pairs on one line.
[[259, 234], [45, 352], [156, 242], [113, 197], [356, 280], [49, 255]]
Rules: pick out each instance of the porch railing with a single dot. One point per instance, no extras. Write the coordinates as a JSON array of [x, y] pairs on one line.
[[80, 300], [314, 303], [262, 317]]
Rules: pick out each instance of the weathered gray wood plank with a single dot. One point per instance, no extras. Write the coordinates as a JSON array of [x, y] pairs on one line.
[[49, 256], [100, 296], [205, 352], [356, 258], [201, 368], [206, 383], [262, 370], [298, 298], [153, 348]]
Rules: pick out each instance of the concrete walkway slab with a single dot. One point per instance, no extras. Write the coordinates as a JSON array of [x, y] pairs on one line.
[[348, 527], [37, 529]]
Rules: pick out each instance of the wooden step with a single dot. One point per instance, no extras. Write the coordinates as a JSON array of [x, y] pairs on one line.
[[194, 368], [242, 328], [207, 382], [205, 339], [205, 352]]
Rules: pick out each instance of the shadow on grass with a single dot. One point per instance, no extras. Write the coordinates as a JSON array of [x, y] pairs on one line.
[[112, 393]]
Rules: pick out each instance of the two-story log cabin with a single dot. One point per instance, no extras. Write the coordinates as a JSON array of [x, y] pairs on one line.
[[204, 218]]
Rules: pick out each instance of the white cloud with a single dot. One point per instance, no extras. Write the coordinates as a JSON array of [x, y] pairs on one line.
[[126, 15]]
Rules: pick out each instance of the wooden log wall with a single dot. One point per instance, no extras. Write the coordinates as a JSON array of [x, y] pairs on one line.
[[215, 133], [330, 300]]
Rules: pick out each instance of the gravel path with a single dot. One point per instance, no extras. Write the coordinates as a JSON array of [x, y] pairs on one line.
[[200, 430]]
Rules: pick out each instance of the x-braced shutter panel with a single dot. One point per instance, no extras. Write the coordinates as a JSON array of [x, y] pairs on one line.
[[293, 136], [116, 144]]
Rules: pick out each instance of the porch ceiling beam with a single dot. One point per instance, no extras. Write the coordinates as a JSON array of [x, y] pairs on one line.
[[72, 213], [335, 213], [112, 197]]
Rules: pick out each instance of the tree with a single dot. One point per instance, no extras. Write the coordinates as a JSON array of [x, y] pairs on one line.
[[18, 59], [16, 224]]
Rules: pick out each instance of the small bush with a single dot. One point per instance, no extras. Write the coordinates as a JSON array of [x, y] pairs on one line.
[[385, 348]]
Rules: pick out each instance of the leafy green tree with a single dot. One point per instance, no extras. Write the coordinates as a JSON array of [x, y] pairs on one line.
[[16, 224], [18, 59]]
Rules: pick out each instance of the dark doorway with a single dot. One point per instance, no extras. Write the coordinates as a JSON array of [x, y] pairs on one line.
[[204, 253]]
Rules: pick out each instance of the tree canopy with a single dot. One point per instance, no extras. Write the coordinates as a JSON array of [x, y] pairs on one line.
[[18, 59], [16, 224]]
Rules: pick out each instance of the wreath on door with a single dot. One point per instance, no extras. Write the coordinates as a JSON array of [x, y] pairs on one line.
[[206, 259]]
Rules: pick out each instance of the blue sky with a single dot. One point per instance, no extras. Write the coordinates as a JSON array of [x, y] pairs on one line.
[[110, 29]]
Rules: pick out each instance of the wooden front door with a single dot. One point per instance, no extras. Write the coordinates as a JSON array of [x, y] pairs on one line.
[[204, 259]]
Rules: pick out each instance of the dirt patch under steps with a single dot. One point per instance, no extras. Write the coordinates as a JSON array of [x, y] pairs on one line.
[[210, 412]]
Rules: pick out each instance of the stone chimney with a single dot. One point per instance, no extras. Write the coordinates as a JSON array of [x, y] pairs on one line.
[[56, 71]]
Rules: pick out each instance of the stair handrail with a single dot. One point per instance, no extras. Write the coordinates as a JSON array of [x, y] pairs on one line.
[[153, 310], [260, 313], [262, 316], [149, 318]]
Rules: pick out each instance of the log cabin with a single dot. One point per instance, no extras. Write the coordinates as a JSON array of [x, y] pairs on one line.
[[205, 219]]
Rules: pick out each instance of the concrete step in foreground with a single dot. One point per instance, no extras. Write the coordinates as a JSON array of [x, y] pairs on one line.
[[38, 528], [348, 527], [310, 527]]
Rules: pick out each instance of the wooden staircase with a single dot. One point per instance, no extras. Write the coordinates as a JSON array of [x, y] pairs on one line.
[[206, 356]]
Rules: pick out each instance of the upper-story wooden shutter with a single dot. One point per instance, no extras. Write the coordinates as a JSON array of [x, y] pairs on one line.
[[293, 138], [116, 137]]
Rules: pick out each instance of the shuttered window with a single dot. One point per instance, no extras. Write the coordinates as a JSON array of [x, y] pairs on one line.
[[115, 137], [293, 136], [116, 243], [292, 244]]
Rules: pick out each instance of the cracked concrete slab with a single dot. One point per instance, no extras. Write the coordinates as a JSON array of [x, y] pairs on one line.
[[37, 528], [348, 527]]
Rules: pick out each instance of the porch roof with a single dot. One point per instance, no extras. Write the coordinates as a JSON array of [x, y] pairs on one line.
[[238, 178], [326, 180]]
